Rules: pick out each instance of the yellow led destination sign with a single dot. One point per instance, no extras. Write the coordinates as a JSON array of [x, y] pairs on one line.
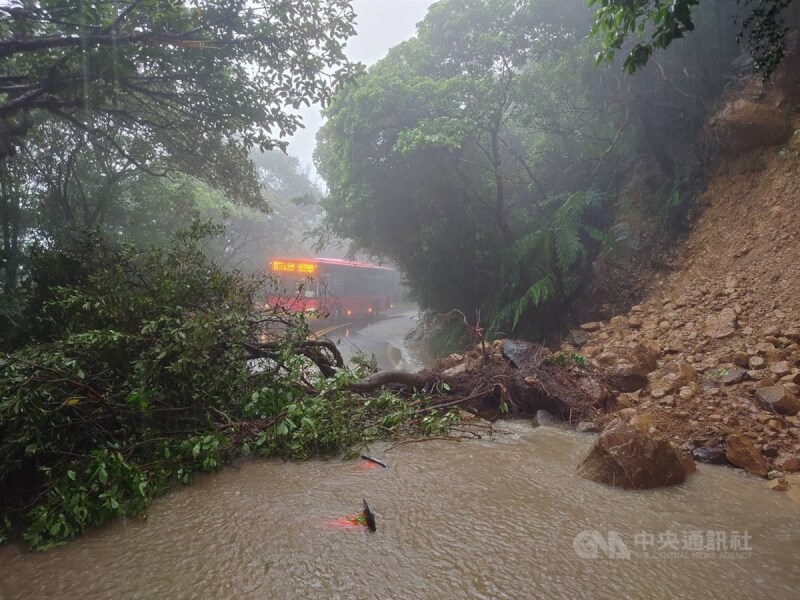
[[285, 266]]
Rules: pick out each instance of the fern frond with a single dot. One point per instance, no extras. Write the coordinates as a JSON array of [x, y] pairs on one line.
[[568, 246], [536, 294]]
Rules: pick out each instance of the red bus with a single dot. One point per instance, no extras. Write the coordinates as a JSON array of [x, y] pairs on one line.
[[331, 287]]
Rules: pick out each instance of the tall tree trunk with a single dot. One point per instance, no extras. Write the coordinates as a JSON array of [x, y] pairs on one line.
[[9, 213], [500, 195]]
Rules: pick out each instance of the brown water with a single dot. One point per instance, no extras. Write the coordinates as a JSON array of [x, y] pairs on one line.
[[488, 519]]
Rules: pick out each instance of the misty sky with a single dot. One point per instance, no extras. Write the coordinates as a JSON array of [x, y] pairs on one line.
[[381, 24]]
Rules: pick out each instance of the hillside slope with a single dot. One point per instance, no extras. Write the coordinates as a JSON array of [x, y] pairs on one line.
[[711, 358]]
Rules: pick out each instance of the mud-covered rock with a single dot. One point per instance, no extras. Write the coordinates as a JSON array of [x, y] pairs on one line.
[[588, 427], [578, 337], [720, 325], [777, 399], [732, 376], [523, 354], [713, 455], [624, 456], [547, 419], [741, 452]]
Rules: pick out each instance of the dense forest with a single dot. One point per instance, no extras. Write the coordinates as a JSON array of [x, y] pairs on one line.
[[487, 155], [143, 183]]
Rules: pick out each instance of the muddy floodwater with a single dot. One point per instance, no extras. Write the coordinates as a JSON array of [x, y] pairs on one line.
[[502, 518]]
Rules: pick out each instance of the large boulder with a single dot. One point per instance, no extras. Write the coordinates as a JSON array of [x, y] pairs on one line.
[[627, 457], [740, 451]]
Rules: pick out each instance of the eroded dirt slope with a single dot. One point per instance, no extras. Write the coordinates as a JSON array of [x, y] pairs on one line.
[[711, 358]]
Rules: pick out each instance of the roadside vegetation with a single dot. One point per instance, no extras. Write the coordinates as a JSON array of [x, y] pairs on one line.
[[129, 371]]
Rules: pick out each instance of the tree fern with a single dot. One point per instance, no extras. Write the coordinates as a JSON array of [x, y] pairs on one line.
[[541, 291], [550, 257]]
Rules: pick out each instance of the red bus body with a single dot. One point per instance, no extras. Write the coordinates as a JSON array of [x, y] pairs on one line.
[[331, 287]]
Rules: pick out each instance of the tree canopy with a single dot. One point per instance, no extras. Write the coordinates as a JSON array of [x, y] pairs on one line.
[[655, 24], [184, 85], [484, 155]]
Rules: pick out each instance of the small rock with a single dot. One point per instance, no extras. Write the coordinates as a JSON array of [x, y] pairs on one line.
[[588, 427], [764, 347], [776, 425], [595, 390], [774, 356], [546, 419], [618, 322], [741, 452], [720, 325], [757, 362], [775, 398], [643, 421], [778, 485], [789, 464], [731, 376], [591, 326], [763, 418], [628, 377], [780, 368], [606, 359], [774, 474], [792, 388], [741, 359], [769, 451], [634, 322], [626, 401], [578, 337], [710, 455]]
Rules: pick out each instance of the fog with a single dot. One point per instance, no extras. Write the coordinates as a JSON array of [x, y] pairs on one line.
[[381, 24]]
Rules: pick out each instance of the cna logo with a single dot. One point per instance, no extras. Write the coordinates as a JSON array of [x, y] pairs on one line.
[[592, 544]]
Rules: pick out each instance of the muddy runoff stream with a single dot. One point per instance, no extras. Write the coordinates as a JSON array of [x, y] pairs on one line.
[[499, 518]]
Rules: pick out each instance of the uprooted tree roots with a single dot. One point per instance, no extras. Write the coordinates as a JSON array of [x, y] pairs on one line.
[[515, 379]]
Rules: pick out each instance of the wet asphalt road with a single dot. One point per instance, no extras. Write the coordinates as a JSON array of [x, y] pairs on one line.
[[383, 338]]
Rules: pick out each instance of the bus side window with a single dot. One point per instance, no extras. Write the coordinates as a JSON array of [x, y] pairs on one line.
[[336, 287]]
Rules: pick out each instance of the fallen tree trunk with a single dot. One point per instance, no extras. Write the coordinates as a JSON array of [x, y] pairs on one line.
[[413, 380]]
